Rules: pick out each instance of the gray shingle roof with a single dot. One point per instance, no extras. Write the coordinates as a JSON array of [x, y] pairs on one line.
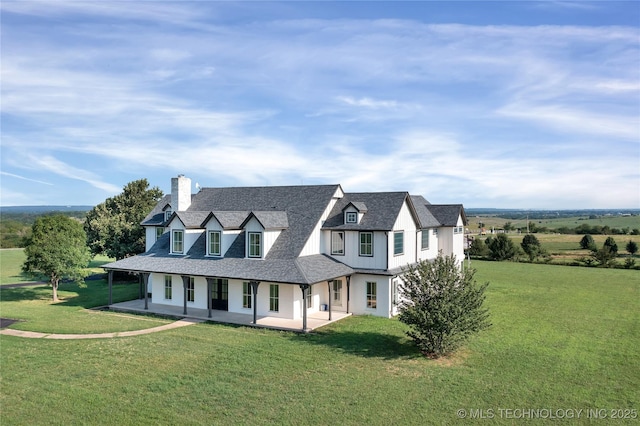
[[228, 220], [269, 220], [294, 209], [425, 217], [190, 219], [303, 270], [382, 211], [447, 214], [156, 216]]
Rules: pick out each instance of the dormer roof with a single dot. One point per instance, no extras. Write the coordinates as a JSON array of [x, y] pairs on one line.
[[358, 205], [382, 210], [227, 219], [190, 220], [269, 219]]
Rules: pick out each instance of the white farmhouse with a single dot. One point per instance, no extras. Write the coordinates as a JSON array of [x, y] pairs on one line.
[[287, 252]]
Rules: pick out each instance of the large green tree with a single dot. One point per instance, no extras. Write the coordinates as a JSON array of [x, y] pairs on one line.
[[587, 243], [58, 249], [113, 227], [442, 305], [502, 248], [531, 246]]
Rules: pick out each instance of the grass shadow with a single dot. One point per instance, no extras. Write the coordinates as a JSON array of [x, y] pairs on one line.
[[90, 295], [367, 344], [18, 294]]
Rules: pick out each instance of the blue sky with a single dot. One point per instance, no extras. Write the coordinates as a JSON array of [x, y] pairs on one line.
[[532, 105]]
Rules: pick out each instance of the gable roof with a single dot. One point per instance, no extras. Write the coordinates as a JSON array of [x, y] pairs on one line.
[[425, 217], [448, 214], [382, 210]]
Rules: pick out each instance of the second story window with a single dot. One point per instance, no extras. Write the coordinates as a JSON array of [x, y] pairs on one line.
[[337, 243], [366, 244], [425, 239], [177, 242], [159, 232], [351, 217], [255, 244], [167, 214], [214, 243], [398, 242]]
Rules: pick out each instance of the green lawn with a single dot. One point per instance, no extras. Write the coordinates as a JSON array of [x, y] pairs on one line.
[[11, 261], [562, 338]]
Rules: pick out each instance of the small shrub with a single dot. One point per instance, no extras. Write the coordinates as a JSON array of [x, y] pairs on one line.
[[442, 305]]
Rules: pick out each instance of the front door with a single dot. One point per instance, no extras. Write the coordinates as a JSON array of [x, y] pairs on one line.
[[220, 295]]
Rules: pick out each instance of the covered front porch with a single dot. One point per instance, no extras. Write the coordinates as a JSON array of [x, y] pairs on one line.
[[314, 320]]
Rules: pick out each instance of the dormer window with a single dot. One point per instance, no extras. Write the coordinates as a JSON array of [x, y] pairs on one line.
[[255, 244], [215, 246], [167, 214], [177, 242], [351, 217]]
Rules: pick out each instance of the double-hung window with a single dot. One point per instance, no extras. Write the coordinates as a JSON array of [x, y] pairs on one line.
[[159, 232], [309, 298], [177, 242], [168, 288], [425, 239], [274, 297], [191, 289], [372, 294], [167, 214], [366, 244], [214, 243], [255, 244], [398, 242], [337, 292], [246, 295], [337, 242]]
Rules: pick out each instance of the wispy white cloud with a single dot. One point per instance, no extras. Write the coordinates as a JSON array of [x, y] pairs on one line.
[[25, 178], [60, 168]]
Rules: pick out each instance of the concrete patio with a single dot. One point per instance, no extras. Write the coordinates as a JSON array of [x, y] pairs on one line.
[[314, 320]]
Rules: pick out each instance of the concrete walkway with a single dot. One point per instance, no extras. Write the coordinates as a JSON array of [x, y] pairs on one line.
[[35, 335]]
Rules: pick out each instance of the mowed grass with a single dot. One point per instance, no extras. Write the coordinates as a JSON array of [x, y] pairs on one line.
[[34, 307], [11, 261], [562, 338], [619, 222]]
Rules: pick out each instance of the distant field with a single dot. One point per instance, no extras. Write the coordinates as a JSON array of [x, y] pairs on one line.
[[562, 338], [619, 222]]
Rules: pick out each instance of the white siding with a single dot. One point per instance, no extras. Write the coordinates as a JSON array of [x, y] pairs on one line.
[[316, 243], [432, 251], [406, 223], [150, 237], [352, 256], [156, 282], [358, 303]]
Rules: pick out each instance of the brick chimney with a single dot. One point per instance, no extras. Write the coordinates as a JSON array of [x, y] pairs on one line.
[[180, 193]]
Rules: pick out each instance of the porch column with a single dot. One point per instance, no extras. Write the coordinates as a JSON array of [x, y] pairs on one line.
[[329, 284], [140, 289], [185, 283], [348, 291], [209, 288], [145, 283], [110, 281], [254, 299], [305, 292]]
